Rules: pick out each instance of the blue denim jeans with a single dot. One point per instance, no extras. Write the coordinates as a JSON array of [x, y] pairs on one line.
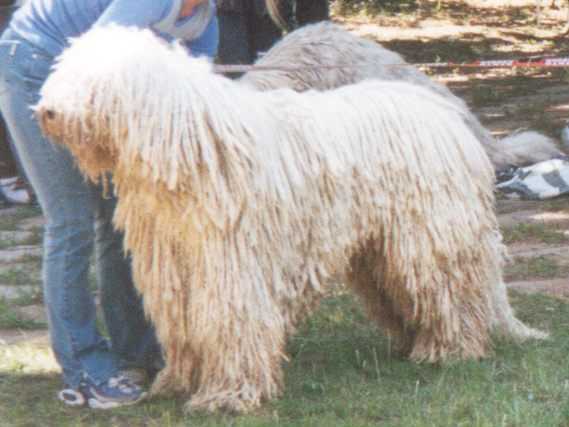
[[78, 224]]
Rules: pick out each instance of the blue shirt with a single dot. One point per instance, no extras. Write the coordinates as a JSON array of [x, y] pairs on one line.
[[48, 24]]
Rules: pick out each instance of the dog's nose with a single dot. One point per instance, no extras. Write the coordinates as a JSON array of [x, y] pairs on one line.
[[47, 119], [49, 114]]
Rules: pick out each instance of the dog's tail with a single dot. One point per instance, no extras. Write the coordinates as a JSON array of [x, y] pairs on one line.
[[522, 149], [506, 324]]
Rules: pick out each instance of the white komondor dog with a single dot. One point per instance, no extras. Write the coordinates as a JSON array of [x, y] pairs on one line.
[[239, 205], [324, 56]]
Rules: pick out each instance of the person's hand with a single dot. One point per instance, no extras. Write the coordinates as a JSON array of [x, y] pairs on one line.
[[188, 7]]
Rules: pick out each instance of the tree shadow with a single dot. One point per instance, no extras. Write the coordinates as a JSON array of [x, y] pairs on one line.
[[504, 99]]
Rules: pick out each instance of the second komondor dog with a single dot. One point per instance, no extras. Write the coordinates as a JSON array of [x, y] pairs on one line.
[[238, 207], [325, 56]]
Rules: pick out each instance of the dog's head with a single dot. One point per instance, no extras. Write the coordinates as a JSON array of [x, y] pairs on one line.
[[76, 107], [97, 93], [124, 101], [84, 133], [119, 94]]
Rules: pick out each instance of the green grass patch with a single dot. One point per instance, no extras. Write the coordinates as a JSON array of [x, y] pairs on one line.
[[31, 259], [554, 205], [32, 297], [483, 95], [34, 238], [7, 243], [342, 372], [10, 222], [534, 268], [533, 232], [372, 8], [10, 319], [20, 275]]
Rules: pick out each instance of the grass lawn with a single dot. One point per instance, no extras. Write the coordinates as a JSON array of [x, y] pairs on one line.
[[342, 372]]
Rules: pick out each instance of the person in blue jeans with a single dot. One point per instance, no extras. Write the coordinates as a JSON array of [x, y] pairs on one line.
[[78, 215]]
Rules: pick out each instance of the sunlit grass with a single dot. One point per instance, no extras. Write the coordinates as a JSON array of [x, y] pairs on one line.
[[10, 318], [9, 222], [540, 267], [21, 274], [544, 233]]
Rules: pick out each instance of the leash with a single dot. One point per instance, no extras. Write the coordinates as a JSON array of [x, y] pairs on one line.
[[557, 62]]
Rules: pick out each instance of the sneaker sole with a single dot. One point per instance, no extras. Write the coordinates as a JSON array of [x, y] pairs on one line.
[[74, 400], [94, 403]]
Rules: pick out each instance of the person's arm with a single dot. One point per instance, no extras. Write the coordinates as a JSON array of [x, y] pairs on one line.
[[136, 13], [207, 43], [161, 16]]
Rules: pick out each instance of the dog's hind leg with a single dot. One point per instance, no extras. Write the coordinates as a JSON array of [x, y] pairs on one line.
[[365, 277], [450, 306], [436, 304]]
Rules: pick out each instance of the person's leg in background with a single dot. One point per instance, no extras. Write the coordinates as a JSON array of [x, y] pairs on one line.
[[310, 11], [14, 188], [233, 40], [262, 32], [7, 163], [246, 30]]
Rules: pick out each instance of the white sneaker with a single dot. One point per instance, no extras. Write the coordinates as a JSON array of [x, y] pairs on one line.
[[71, 397], [137, 376], [15, 191], [116, 392]]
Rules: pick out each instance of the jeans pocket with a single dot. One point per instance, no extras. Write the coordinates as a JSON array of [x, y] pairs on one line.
[[35, 69], [8, 51], [22, 65]]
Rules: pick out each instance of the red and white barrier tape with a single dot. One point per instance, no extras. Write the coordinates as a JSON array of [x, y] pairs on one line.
[[507, 63], [562, 62]]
